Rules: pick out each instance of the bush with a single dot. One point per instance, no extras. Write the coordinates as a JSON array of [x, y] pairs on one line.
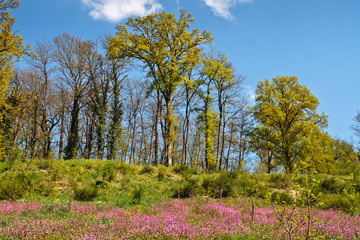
[[4, 166], [85, 193], [280, 181], [186, 189], [282, 198], [46, 188], [146, 169], [124, 168], [183, 170], [14, 186], [220, 186], [136, 195], [162, 172], [108, 171], [330, 185], [337, 201], [262, 191]]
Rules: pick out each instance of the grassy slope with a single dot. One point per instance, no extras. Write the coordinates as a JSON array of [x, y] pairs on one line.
[[123, 185]]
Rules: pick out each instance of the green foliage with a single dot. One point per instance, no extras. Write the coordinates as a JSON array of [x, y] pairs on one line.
[[162, 172], [85, 193], [282, 198], [168, 50], [11, 48], [286, 117], [46, 188], [343, 202], [137, 194], [330, 185], [146, 169], [14, 186], [280, 181], [186, 189], [109, 171], [220, 186]]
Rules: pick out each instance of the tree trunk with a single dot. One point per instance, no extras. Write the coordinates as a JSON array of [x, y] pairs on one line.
[[73, 138]]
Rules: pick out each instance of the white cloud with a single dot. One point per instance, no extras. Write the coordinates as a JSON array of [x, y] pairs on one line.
[[117, 10], [222, 7], [250, 93]]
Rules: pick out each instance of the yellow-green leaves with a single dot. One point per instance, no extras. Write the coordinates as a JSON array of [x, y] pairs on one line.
[[168, 48], [11, 47], [286, 119], [164, 44]]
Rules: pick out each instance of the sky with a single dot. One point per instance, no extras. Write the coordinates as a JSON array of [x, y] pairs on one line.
[[316, 41]]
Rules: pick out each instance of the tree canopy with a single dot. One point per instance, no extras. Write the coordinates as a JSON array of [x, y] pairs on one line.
[[11, 47], [168, 48], [286, 116]]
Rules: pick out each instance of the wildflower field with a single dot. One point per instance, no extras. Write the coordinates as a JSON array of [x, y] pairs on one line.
[[175, 219]]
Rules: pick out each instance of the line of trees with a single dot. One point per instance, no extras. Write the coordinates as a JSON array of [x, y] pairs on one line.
[[157, 93]]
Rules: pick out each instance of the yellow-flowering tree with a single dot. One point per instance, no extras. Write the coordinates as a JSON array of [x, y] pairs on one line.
[[168, 49], [286, 115], [11, 48]]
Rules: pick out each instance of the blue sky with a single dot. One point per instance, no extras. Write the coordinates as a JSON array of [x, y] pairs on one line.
[[317, 41]]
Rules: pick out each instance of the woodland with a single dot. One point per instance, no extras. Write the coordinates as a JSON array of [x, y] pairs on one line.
[[157, 92]]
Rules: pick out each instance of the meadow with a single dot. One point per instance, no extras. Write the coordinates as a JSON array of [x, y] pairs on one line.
[[95, 199]]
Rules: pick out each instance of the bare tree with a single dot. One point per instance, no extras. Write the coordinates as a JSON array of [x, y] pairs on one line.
[[71, 55]]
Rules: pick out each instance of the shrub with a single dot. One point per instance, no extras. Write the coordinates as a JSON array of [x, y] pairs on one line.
[[280, 181], [186, 189], [337, 201], [282, 198], [14, 186], [46, 188], [108, 172], [146, 169], [220, 186], [85, 193], [183, 170], [330, 185], [262, 191], [162, 172], [124, 168], [137, 194]]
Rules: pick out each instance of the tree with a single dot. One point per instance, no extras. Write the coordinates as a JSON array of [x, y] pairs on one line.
[[71, 54], [168, 51], [11, 47], [117, 75], [285, 114], [47, 95], [356, 128]]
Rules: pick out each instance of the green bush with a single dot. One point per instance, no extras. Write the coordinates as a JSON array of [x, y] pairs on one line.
[[137, 194], [337, 201], [330, 185], [162, 172], [4, 166], [146, 169], [220, 186], [186, 189], [262, 191], [85, 193], [14, 186], [279, 181], [46, 188], [183, 170], [124, 168], [109, 172], [282, 198]]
